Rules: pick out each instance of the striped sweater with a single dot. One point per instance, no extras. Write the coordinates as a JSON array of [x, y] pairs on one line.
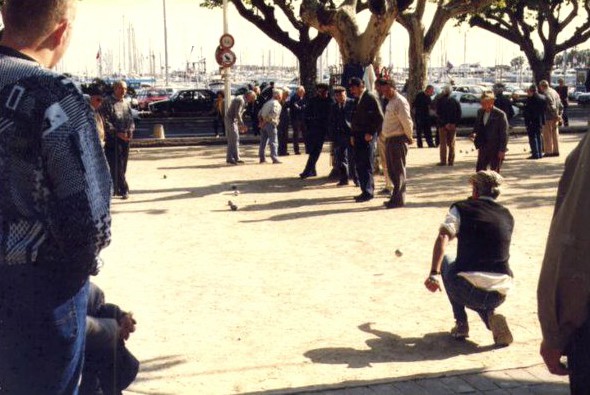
[[55, 186]]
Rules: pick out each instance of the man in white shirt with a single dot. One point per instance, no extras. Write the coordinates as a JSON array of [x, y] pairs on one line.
[[480, 277], [269, 117], [397, 130]]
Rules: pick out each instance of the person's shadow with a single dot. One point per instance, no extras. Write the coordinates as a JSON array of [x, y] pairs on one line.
[[389, 347]]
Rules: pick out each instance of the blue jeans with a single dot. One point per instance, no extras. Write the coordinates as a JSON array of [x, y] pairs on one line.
[[462, 294], [535, 142], [268, 134], [42, 331]]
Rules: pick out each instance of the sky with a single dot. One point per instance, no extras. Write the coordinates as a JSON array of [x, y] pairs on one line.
[[193, 34]]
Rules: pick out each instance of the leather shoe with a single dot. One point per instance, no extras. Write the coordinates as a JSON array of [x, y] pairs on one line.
[[232, 162], [342, 183], [390, 204], [363, 197]]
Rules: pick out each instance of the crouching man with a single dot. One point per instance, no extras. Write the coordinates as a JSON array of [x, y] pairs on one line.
[[109, 367], [480, 276]]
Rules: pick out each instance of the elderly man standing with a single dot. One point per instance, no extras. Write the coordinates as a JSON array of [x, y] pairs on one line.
[[421, 109], [317, 116], [480, 276], [448, 112], [54, 203], [553, 111], [563, 292], [534, 118], [119, 127], [234, 125], [269, 117], [397, 130], [367, 118], [491, 134], [339, 131], [298, 104]]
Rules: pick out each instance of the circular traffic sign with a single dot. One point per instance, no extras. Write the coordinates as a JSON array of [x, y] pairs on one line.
[[228, 58], [226, 41]]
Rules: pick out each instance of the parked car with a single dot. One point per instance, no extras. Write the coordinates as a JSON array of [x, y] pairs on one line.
[[475, 89], [577, 92], [147, 96], [470, 103], [186, 102], [584, 99], [517, 94]]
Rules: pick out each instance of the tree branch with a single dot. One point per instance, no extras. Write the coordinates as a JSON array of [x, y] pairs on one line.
[[288, 11]]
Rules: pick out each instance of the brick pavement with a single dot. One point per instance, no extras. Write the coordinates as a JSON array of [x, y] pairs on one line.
[[528, 380]]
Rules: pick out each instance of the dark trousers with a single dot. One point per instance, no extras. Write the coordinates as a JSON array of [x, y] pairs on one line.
[[564, 117], [117, 154], [462, 294], [423, 129], [283, 136], [364, 156], [578, 360], [396, 150], [314, 147], [298, 133], [217, 122], [535, 141], [488, 158], [344, 159]]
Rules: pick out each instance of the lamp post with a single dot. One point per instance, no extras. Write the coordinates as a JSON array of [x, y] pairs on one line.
[[165, 43], [226, 73]]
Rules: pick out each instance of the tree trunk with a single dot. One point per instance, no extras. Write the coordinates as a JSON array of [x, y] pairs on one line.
[[308, 71], [419, 59], [541, 67]]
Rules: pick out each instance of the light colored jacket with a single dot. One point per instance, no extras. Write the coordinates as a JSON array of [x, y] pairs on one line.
[[397, 120], [270, 112]]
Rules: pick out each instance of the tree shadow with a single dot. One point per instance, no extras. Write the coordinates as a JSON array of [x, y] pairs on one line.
[[270, 185], [389, 347]]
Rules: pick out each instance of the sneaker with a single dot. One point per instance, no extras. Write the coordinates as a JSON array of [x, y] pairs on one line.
[[500, 331], [460, 331]]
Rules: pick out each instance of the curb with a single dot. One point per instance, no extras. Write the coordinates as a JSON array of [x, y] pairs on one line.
[[252, 140]]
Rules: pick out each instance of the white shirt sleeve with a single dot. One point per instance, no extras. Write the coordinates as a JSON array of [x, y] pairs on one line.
[[452, 222]]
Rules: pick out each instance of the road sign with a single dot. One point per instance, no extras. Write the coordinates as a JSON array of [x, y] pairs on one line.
[[228, 58], [226, 41]]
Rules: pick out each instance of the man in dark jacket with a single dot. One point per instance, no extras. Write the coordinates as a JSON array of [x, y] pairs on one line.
[[534, 118], [316, 121], [562, 91], [298, 104], [491, 134], [339, 132], [367, 118], [503, 102], [480, 277], [448, 112], [421, 110]]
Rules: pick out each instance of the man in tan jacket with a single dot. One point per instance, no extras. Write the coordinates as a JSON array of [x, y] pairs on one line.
[[563, 292], [397, 130]]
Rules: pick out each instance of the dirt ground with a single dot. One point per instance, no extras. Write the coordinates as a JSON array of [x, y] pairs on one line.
[[301, 288]]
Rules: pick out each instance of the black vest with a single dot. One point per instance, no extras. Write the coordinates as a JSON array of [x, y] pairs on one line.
[[484, 237]]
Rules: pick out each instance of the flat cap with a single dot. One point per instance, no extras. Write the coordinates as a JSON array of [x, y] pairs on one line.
[[486, 179]]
